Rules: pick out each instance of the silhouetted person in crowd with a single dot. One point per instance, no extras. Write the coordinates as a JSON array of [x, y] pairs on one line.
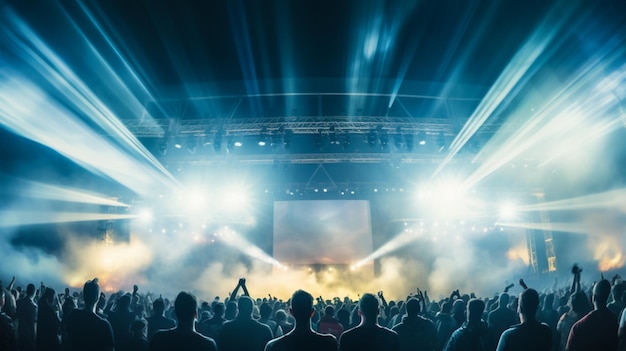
[[616, 306], [445, 324], [343, 316], [184, 336], [158, 321], [369, 335], [212, 326], [244, 333], [621, 332], [8, 340], [121, 318], [501, 319], [302, 337], [329, 324], [550, 316], [530, 334], [85, 329], [598, 329], [283, 324], [473, 334], [137, 339], [27, 320], [48, 322], [69, 305], [266, 311], [415, 332], [458, 312], [579, 307], [231, 311]]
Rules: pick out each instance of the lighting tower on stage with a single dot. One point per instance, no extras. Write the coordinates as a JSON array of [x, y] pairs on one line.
[[532, 235], [106, 227], [547, 235]]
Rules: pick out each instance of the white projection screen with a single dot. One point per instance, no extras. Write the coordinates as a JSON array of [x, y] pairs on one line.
[[322, 231]]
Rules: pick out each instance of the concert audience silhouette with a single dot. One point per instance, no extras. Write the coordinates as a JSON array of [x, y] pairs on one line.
[[32, 319]]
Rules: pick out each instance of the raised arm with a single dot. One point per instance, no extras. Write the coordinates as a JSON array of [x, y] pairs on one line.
[[11, 284], [382, 299], [244, 287], [240, 284], [576, 281]]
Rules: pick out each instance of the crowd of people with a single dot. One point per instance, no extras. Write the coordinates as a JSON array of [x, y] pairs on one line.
[[575, 318]]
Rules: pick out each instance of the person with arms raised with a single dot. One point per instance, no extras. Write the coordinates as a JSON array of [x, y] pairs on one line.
[[598, 329], [243, 333]]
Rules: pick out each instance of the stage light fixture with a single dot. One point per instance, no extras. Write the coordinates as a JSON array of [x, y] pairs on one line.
[[263, 137], [507, 211], [145, 216], [421, 139]]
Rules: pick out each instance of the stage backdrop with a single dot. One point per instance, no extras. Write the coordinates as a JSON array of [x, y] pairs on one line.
[[335, 232]]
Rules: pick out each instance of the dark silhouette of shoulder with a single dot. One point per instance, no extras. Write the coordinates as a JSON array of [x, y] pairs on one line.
[[304, 342], [174, 339]]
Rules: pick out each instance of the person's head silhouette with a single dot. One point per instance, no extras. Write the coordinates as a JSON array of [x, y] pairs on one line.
[[301, 306], [528, 304], [368, 307], [91, 293], [245, 306], [185, 307]]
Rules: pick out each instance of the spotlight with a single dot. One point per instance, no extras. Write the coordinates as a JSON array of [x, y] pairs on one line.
[[263, 137], [421, 139], [145, 216], [507, 211], [238, 143], [178, 144]]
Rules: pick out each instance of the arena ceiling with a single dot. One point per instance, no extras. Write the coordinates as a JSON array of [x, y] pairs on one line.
[[374, 91]]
